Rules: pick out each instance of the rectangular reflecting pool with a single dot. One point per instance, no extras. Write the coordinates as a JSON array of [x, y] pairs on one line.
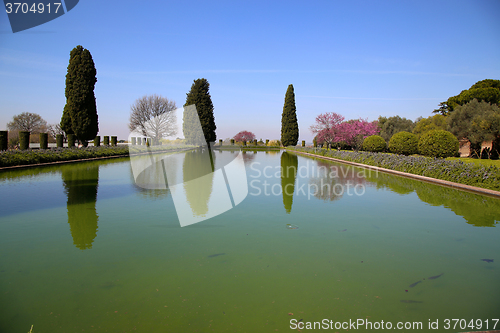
[[84, 248]]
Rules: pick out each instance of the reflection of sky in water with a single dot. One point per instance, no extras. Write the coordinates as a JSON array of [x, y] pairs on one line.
[[351, 257]]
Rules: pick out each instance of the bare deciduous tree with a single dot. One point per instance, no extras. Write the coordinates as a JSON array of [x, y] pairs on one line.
[[55, 129], [153, 116], [28, 121]]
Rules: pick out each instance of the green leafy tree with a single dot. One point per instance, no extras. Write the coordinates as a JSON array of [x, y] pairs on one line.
[[443, 109], [475, 121], [200, 97], [80, 112], [486, 90], [436, 122], [289, 124], [392, 125]]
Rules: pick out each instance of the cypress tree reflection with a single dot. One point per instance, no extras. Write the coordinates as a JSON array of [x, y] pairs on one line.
[[197, 175], [80, 183], [289, 164]]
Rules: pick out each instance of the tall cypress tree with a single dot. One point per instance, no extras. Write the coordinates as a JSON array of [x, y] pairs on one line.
[[200, 96], [80, 112], [289, 124]]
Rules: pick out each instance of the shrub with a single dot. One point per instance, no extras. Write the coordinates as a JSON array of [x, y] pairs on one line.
[[106, 140], [267, 141], [97, 141], [438, 143], [114, 139], [232, 142], [133, 141], [59, 140], [44, 140], [274, 143], [4, 140], [403, 143], [303, 143], [24, 140], [374, 143], [71, 140]]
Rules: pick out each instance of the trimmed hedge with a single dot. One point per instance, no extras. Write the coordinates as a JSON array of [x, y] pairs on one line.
[[403, 143], [105, 140], [97, 141], [374, 143], [71, 140], [44, 141], [23, 157], [24, 140], [439, 168], [59, 140], [114, 140], [4, 140], [438, 143]]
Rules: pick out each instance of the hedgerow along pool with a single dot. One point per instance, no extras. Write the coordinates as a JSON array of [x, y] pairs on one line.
[[84, 249]]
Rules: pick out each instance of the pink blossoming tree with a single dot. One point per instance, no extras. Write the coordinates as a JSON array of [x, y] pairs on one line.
[[244, 136], [353, 132], [330, 128], [326, 127]]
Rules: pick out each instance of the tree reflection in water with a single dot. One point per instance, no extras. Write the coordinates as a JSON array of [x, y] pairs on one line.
[[332, 182], [289, 164], [197, 176], [477, 210], [80, 184]]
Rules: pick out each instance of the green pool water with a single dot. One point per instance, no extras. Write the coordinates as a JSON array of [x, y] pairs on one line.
[[84, 249]]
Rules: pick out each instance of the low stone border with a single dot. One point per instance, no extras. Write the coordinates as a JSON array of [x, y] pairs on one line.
[[447, 183]]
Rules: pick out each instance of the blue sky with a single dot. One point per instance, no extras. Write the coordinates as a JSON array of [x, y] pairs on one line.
[[357, 58]]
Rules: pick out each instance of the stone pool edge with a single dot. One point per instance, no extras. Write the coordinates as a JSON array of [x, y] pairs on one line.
[[446, 183]]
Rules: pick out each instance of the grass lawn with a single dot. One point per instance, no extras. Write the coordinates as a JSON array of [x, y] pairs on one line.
[[476, 161]]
